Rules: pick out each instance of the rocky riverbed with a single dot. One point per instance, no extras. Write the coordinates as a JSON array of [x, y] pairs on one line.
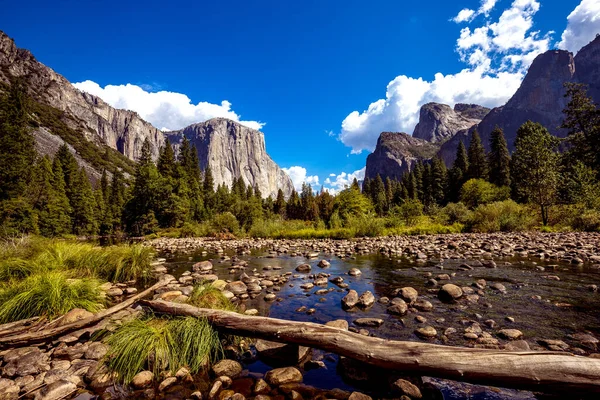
[[527, 291]]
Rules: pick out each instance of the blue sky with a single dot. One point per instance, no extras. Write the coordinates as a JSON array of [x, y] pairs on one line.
[[321, 78]]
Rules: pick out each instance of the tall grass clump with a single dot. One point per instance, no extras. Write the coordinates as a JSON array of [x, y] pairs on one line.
[[114, 263], [48, 295], [208, 296], [160, 345]]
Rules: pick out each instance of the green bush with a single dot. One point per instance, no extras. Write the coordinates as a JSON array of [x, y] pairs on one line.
[[588, 220], [410, 210], [505, 216], [478, 191], [455, 212], [225, 223], [193, 229], [366, 225]]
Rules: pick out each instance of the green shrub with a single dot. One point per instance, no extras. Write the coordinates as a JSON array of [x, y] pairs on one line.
[[366, 225], [193, 229], [48, 295], [455, 212], [161, 345], [588, 220], [505, 216], [410, 210], [478, 191], [225, 223]]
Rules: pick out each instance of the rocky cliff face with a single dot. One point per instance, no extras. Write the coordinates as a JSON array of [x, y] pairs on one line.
[[438, 122], [396, 153], [233, 150], [540, 98], [122, 130]]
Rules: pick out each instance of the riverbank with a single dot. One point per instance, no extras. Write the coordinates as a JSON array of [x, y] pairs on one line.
[[513, 291]]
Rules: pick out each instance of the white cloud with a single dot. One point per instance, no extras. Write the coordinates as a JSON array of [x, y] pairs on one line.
[[468, 15], [165, 110], [583, 24], [497, 55], [298, 176], [343, 180]]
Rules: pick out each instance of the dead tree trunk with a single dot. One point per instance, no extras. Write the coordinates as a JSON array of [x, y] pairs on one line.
[[534, 370], [52, 332]]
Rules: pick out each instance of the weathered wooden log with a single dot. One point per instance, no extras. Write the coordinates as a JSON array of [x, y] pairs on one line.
[[52, 332], [532, 370]]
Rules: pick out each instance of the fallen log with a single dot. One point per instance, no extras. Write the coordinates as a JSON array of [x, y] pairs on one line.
[[541, 371], [28, 338]]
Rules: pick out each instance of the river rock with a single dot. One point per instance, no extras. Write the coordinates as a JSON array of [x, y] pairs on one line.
[[74, 315], [354, 272], [338, 323], [398, 308], [280, 353], [408, 294], [281, 376], [324, 264], [237, 287], [303, 268], [56, 390], [374, 322], [423, 305], [228, 368], [450, 292], [202, 266], [366, 299], [510, 334], [350, 300], [25, 361], [407, 388], [96, 351], [142, 379], [498, 287], [9, 390], [359, 396], [426, 332]]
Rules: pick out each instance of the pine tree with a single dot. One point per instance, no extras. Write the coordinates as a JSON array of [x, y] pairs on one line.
[[53, 219], [458, 173], [140, 209], [115, 204], [307, 200], [499, 159], [582, 121], [83, 204], [419, 183], [294, 206], [366, 187], [280, 204], [439, 177], [478, 168], [70, 169], [166, 161], [378, 195], [535, 166], [17, 152], [208, 189]]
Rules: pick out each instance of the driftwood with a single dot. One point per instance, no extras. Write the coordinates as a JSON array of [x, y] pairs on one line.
[[533, 370], [54, 331]]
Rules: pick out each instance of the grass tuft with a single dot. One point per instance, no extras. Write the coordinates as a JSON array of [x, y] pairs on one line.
[[160, 345], [48, 295], [208, 296]]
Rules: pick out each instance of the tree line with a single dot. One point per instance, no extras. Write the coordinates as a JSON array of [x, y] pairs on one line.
[[53, 196]]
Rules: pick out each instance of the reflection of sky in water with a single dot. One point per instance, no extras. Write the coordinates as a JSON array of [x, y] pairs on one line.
[[380, 275]]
